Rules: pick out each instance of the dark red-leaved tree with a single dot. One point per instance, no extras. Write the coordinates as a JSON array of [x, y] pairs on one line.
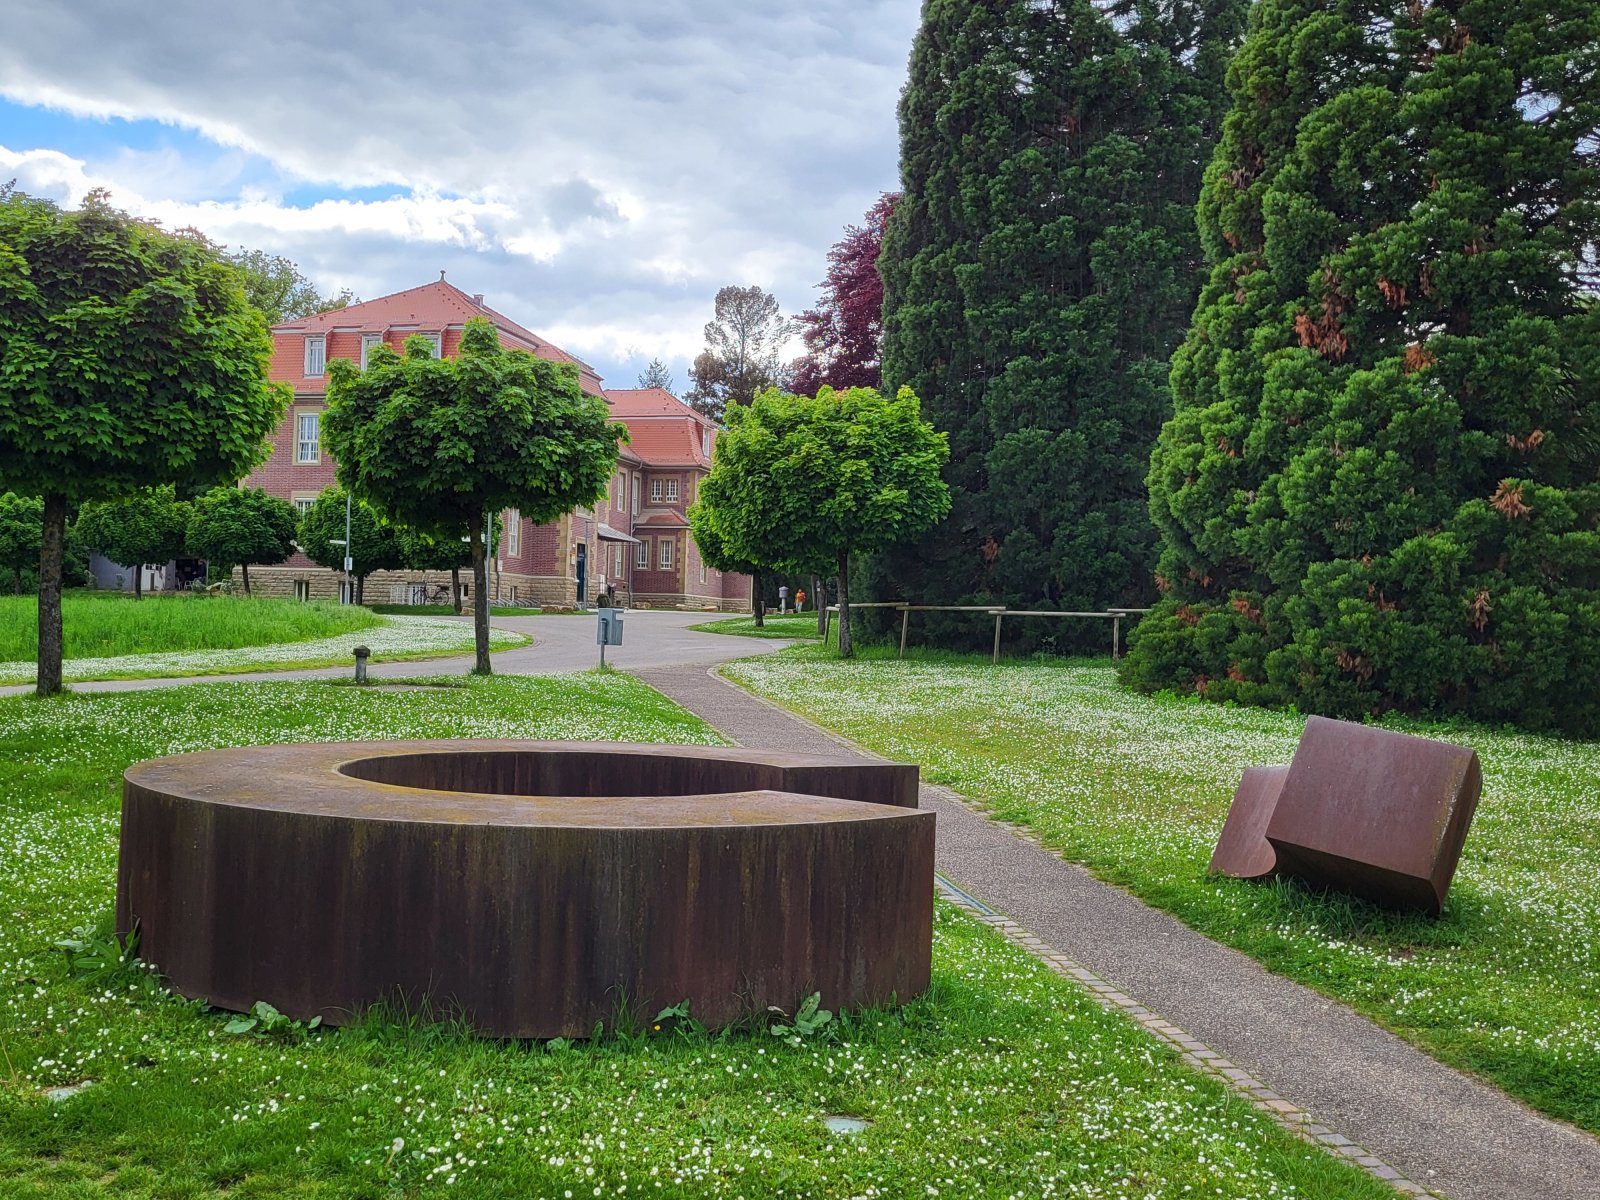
[[844, 333]]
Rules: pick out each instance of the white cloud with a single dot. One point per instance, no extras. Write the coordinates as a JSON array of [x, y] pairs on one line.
[[599, 172]]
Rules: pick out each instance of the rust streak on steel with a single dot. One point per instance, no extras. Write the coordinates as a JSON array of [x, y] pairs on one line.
[[531, 885]]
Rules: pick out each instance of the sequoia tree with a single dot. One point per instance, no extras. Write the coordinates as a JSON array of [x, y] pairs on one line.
[[1038, 271], [129, 358], [437, 443], [1378, 488]]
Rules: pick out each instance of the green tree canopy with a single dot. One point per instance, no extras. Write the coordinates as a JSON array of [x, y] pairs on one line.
[[129, 358], [235, 527], [797, 480], [436, 443], [149, 526], [1039, 271], [1378, 486], [375, 545], [275, 286], [21, 526]]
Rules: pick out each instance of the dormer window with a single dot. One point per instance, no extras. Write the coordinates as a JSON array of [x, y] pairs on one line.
[[436, 339], [316, 355], [369, 342], [705, 440]]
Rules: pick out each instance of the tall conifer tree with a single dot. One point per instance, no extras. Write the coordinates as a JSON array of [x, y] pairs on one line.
[[1038, 274], [1378, 487]]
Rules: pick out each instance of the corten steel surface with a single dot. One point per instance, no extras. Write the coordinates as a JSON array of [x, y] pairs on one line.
[[534, 885], [1243, 850], [1376, 813]]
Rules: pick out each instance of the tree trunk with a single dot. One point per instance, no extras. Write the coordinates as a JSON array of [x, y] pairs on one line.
[[138, 581], [16, 581], [758, 600], [480, 581], [361, 589], [51, 548], [846, 646], [455, 589], [244, 570], [819, 600]]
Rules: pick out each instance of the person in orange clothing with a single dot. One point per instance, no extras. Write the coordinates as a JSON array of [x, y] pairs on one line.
[[800, 600]]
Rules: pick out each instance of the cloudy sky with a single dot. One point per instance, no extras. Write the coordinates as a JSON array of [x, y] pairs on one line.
[[597, 168]]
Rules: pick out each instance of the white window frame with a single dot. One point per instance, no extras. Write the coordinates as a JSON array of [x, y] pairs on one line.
[[438, 343], [702, 570], [316, 363], [307, 451], [664, 553], [641, 555], [302, 503], [655, 491], [672, 491], [705, 440], [617, 559], [634, 505], [511, 544], [302, 590], [369, 343]]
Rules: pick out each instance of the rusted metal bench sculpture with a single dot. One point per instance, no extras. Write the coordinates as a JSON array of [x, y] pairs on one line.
[[1379, 814], [533, 886]]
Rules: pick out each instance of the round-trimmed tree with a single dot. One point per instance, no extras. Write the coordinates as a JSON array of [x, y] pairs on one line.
[[1378, 486], [374, 543], [129, 357], [796, 480], [234, 527], [438, 443], [149, 526]]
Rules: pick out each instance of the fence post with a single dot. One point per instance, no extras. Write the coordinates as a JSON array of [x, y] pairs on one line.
[[1116, 638], [998, 617], [905, 620]]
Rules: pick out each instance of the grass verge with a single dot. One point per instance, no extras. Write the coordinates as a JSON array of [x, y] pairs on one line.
[[1505, 984], [392, 639], [1003, 1081], [111, 624], [796, 626]]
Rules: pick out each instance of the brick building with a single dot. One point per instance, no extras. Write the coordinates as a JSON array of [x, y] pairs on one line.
[[634, 542]]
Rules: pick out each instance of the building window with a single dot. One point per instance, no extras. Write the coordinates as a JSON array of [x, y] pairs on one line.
[[302, 589], [705, 441], [619, 488], [665, 545], [302, 503], [316, 356], [308, 437], [513, 538], [702, 571], [655, 491], [368, 341], [636, 493], [672, 491], [617, 558], [513, 594], [437, 340], [641, 555]]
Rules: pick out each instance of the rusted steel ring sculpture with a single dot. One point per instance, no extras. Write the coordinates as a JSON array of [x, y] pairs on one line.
[[534, 887]]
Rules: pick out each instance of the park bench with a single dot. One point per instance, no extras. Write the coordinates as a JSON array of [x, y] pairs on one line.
[[1379, 814]]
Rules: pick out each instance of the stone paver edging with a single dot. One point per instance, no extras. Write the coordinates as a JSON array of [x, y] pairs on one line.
[[1316, 1065]]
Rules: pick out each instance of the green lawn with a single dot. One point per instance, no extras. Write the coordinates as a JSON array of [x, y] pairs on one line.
[[1506, 983], [109, 624], [800, 626], [1003, 1081]]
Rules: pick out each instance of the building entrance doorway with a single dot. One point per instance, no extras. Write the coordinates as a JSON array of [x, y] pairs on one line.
[[583, 572]]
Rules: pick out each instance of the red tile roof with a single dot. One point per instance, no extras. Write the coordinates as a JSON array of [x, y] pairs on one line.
[[666, 432], [434, 307], [660, 518]]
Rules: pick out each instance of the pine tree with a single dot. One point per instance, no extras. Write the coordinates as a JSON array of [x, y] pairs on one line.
[[1378, 486], [1038, 274]]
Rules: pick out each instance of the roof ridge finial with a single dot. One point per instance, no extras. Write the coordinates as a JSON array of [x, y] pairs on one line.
[[441, 274]]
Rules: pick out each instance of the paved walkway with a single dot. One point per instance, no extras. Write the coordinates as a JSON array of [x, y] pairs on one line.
[[652, 639], [1428, 1123]]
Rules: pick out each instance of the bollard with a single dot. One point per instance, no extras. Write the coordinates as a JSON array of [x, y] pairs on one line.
[[362, 654]]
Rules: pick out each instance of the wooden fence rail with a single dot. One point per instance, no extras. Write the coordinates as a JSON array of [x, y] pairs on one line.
[[998, 612]]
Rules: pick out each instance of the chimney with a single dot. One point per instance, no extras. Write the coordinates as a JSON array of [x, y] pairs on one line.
[[477, 298]]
